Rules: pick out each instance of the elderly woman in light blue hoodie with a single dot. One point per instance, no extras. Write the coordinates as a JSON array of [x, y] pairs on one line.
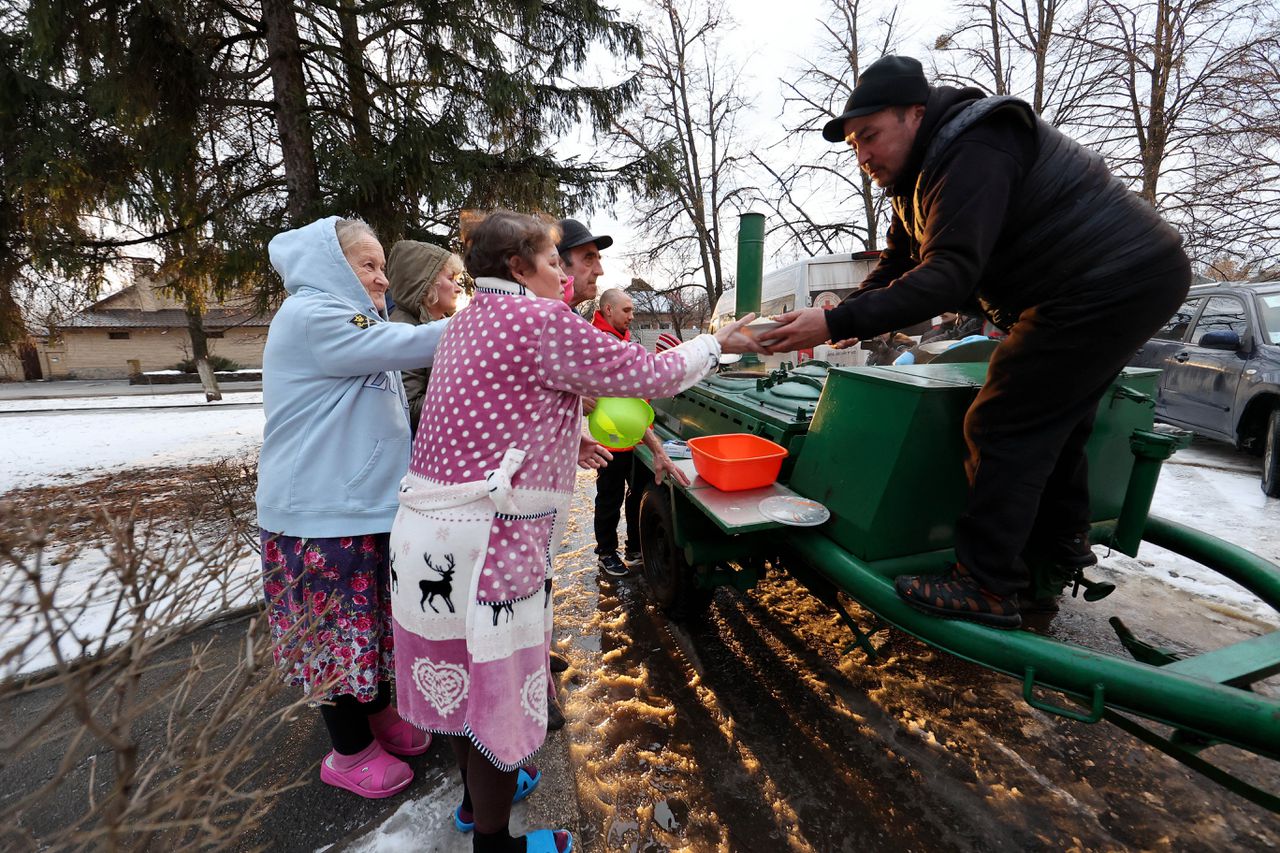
[[335, 446]]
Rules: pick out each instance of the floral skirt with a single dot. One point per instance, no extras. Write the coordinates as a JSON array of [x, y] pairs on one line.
[[329, 607]]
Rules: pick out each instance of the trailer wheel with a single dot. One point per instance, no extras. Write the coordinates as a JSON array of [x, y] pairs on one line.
[[1271, 455], [668, 574]]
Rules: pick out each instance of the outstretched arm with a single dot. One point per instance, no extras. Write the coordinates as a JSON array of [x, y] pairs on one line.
[[348, 343], [582, 360]]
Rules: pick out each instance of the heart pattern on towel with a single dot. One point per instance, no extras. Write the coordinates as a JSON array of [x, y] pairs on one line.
[[443, 684], [533, 697]]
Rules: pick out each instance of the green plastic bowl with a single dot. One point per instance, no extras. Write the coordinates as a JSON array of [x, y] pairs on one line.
[[619, 422]]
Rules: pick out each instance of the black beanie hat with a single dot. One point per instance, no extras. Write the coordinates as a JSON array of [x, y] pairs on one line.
[[890, 81]]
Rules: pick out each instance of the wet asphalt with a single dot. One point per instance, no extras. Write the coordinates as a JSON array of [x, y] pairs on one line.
[[759, 727], [756, 728], [307, 816]]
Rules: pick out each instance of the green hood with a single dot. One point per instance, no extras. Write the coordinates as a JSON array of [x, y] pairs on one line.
[[410, 268]]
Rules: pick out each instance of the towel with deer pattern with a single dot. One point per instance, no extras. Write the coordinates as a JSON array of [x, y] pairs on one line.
[[473, 622]]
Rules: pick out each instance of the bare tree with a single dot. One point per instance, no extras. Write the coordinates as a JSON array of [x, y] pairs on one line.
[[1193, 118], [684, 130], [1034, 49], [811, 197], [148, 736], [684, 305]]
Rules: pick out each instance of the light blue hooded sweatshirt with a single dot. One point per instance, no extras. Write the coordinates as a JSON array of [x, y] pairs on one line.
[[337, 439]]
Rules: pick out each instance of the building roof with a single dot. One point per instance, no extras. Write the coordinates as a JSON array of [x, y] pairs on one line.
[[164, 318], [146, 304], [646, 299]]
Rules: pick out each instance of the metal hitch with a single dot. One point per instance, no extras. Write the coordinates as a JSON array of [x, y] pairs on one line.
[[1093, 590]]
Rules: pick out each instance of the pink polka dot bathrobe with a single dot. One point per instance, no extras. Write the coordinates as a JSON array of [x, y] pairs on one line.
[[484, 506]]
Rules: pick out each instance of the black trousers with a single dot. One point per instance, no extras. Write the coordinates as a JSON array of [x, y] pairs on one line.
[[1027, 429], [615, 486], [347, 719]]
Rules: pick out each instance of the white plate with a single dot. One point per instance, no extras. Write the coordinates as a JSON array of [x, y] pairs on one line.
[[794, 510], [758, 328]]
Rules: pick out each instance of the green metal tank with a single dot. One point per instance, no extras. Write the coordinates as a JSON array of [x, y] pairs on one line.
[[883, 449], [885, 453]]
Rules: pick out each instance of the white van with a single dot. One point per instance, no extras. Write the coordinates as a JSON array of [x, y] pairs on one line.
[[823, 280]]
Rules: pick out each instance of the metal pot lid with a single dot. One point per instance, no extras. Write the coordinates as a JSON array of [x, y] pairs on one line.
[[791, 391], [731, 384], [794, 510], [816, 369]]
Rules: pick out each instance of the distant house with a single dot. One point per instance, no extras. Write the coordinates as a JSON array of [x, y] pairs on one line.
[[656, 313], [141, 328]]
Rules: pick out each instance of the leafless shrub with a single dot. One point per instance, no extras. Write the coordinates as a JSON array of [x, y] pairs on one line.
[[226, 491], [145, 729]]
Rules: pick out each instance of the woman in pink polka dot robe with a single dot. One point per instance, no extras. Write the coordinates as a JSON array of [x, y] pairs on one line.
[[485, 502]]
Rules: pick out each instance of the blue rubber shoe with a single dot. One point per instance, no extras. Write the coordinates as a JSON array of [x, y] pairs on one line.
[[525, 784], [544, 841]]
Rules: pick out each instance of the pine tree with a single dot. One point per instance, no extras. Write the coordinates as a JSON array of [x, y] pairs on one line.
[[202, 128], [423, 109]]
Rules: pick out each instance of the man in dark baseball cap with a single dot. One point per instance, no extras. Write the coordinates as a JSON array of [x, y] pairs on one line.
[[580, 256], [890, 81], [998, 211]]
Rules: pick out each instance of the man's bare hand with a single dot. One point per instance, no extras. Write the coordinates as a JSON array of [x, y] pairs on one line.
[[845, 344], [733, 340], [592, 455], [799, 330], [663, 467], [662, 464]]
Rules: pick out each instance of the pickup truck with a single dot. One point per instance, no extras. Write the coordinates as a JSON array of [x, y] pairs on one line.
[[1220, 357]]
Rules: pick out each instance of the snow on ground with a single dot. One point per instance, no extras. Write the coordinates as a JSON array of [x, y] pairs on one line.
[[1214, 488], [132, 401], [42, 449], [90, 613], [427, 824], [48, 448]]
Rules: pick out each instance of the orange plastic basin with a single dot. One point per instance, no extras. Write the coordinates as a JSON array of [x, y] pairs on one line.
[[736, 461]]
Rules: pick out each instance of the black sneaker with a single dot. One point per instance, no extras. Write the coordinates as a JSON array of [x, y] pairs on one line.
[[555, 714], [632, 558], [613, 567]]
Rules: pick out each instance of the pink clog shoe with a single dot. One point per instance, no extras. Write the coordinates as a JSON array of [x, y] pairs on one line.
[[398, 736], [375, 774]]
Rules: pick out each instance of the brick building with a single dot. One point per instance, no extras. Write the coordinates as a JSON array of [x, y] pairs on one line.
[[141, 328]]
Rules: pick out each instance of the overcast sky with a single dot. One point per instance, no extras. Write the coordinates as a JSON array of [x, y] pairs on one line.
[[775, 39]]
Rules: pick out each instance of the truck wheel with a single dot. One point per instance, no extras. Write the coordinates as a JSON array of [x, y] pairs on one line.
[[668, 574], [1271, 456]]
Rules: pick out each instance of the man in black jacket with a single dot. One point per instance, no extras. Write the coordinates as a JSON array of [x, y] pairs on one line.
[[995, 210]]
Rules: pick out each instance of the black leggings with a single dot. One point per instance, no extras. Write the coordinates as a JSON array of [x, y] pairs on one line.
[[487, 791], [347, 719]]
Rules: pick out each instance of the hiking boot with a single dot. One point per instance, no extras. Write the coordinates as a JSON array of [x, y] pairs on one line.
[[632, 558], [1069, 553], [958, 595], [613, 567]]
